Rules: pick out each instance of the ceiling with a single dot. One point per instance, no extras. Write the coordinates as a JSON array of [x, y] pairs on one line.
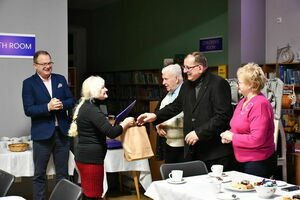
[[87, 4]]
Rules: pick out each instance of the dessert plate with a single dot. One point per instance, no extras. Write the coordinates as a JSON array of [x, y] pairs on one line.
[[280, 183], [230, 187]]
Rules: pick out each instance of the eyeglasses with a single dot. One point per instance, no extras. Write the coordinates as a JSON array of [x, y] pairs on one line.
[[187, 68], [45, 64]]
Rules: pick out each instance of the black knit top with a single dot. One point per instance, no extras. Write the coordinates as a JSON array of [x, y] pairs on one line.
[[93, 127]]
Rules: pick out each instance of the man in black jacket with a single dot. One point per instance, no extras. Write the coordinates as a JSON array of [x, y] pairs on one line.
[[205, 99]]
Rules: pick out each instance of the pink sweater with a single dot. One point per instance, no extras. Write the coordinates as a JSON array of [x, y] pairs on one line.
[[253, 129]]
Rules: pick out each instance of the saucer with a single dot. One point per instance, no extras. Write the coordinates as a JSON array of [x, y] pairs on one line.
[[280, 183], [175, 182], [213, 175]]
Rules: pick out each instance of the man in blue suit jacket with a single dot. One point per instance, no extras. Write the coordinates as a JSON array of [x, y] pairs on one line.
[[46, 99]]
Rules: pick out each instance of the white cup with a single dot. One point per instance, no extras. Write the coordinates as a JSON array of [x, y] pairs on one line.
[[4, 138], [3, 144], [176, 175], [15, 139], [217, 170], [216, 186], [24, 139]]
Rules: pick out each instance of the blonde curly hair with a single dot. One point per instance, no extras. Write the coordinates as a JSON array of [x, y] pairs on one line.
[[253, 75], [90, 89]]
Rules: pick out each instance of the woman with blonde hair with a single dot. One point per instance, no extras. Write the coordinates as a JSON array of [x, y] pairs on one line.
[[92, 128], [252, 125]]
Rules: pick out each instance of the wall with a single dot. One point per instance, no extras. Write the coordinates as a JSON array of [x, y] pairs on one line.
[[246, 33], [140, 34], [46, 19], [286, 32]]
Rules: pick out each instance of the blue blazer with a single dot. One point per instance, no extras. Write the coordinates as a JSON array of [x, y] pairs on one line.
[[35, 99]]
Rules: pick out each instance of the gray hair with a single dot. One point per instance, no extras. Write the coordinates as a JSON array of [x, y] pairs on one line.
[[175, 69]]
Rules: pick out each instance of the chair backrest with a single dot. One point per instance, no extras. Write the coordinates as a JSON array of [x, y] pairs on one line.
[[191, 168], [6, 180], [67, 190]]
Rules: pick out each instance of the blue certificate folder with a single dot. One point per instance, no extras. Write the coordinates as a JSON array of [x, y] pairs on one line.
[[122, 115]]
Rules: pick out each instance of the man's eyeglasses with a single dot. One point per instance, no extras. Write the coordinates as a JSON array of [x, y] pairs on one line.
[[45, 64], [187, 68]]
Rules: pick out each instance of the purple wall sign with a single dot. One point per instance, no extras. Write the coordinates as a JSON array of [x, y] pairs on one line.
[[212, 44], [17, 45]]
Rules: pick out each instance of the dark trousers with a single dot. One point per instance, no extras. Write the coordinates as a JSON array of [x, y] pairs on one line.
[[263, 168], [174, 154], [229, 162], [59, 146]]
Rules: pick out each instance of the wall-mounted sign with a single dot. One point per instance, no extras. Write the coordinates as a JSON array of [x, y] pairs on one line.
[[17, 45], [212, 44]]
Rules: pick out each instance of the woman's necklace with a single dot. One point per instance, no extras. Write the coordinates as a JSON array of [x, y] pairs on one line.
[[248, 99]]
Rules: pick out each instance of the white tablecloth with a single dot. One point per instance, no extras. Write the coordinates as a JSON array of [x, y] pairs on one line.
[[21, 163], [12, 198], [198, 188], [115, 162]]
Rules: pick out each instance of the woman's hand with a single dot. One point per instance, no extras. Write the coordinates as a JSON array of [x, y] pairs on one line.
[[127, 122], [226, 137]]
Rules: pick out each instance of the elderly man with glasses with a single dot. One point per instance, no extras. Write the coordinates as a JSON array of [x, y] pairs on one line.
[[205, 100], [46, 99]]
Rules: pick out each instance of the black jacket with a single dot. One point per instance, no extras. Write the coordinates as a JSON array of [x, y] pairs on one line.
[[208, 116]]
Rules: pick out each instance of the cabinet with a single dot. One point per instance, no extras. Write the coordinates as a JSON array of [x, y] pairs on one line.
[[127, 86]]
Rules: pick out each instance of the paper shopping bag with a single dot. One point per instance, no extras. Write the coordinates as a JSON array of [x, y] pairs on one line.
[[136, 144]]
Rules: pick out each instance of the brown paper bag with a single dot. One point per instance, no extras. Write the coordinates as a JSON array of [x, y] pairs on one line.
[[136, 144]]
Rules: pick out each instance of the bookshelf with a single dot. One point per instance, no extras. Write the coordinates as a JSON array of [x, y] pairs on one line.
[[127, 86], [221, 70], [289, 73], [72, 80]]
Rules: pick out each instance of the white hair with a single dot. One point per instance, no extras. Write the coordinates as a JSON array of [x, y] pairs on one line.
[[90, 89], [175, 69]]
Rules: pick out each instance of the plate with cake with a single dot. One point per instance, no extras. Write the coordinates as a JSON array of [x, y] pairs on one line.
[[242, 186]]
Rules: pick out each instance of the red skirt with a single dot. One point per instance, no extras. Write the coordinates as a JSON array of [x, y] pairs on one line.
[[91, 179]]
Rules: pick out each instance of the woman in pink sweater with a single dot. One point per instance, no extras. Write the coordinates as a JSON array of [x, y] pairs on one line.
[[252, 125]]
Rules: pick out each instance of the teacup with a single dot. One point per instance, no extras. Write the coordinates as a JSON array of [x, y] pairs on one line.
[[216, 186], [15, 139], [217, 170], [176, 175], [24, 139], [3, 144], [4, 139]]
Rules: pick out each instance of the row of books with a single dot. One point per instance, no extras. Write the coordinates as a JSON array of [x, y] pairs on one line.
[[289, 76], [136, 92], [135, 77]]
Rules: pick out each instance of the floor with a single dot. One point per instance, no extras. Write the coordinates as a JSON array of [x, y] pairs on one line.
[[116, 196], [125, 194]]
